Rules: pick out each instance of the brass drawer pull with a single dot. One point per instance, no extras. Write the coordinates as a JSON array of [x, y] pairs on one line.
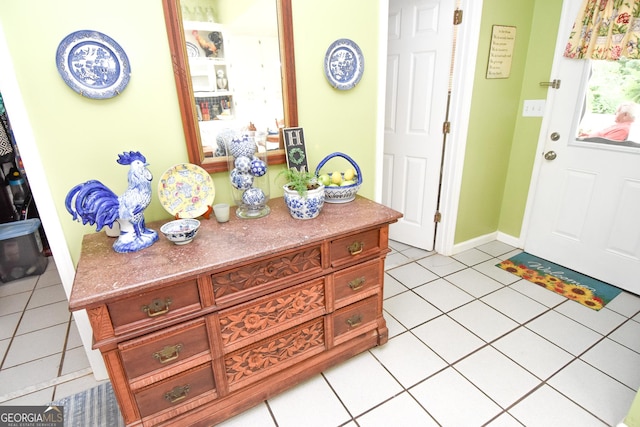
[[157, 307], [355, 248], [356, 284], [354, 320], [177, 394], [169, 353]]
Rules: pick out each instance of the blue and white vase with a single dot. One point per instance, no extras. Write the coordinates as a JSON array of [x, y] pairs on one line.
[[304, 207]]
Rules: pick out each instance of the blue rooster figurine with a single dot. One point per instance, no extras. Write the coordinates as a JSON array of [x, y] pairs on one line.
[[94, 203]]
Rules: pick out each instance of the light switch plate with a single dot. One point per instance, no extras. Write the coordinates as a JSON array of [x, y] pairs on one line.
[[533, 108]]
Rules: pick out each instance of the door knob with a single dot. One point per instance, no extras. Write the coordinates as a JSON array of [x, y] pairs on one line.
[[555, 136], [550, 155]]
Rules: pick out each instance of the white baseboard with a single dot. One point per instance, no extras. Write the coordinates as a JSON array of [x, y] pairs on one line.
[[470, 244], [510, 240], [487, 238]]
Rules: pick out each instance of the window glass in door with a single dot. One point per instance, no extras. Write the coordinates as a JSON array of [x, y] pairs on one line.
[[610, 108]]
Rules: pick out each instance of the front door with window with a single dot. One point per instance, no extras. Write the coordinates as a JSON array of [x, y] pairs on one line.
[[585, 213]]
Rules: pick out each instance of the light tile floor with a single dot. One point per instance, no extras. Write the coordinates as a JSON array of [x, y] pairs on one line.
[[470, 345], [41, 355]]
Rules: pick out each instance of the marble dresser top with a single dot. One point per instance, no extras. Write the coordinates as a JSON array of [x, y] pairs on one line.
[[103, 274]]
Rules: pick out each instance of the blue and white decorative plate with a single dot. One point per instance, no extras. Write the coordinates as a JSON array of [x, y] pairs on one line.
[[93, 64], [343, 64]]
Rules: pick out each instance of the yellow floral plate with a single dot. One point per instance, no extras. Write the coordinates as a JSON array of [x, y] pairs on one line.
[[186, 191]]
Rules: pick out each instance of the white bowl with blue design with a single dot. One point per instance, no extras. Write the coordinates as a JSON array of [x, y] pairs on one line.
[[181, 231]]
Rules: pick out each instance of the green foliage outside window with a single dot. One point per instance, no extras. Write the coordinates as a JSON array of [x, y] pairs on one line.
[[611, 83]]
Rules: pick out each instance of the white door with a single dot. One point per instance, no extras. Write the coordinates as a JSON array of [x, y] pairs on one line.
[[585, 214], [418, 62]]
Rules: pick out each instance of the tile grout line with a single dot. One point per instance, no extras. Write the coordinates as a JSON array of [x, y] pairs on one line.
[[46, 384], [15, 331], [64, 345]]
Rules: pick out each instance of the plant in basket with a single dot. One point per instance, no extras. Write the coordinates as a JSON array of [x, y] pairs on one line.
[[303, 194], [340, 187]]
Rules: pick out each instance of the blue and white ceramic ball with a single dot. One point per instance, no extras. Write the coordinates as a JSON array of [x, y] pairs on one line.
[[243, 164], [223, 139], [254, 198], [241, 180], [258, 167], [242, 147]]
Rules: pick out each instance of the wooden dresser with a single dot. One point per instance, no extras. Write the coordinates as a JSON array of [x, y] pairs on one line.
[[194, 334]]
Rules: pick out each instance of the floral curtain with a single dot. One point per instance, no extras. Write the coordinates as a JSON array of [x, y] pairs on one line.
[[606, 29]]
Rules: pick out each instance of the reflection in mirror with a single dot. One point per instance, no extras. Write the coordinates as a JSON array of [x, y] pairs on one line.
[[229, 73], [610, 108]]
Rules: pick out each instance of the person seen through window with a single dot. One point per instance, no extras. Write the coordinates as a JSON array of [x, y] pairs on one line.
[[619, 131]]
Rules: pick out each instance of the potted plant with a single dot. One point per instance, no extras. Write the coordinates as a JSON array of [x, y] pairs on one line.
[[303, 194]]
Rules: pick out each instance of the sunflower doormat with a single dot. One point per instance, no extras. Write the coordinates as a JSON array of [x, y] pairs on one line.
[[571, 284]]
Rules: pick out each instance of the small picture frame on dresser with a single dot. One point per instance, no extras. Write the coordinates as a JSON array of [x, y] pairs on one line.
[[295, 149]]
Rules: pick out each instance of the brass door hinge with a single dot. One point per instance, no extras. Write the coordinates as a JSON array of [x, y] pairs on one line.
[[457, 17], [446, 127], [437, 217]]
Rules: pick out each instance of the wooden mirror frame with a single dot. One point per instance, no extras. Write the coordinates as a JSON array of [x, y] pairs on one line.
[[177, 46]]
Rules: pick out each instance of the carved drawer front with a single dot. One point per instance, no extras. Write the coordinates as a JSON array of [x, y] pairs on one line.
[[160, 304], [246, 323], [271, 270], [163, 350], [257, 361], [358, 318], [358, 246], [176, 390], [354, 283]]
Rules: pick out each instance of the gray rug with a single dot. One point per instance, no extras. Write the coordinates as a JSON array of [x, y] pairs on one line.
[[96, 407]]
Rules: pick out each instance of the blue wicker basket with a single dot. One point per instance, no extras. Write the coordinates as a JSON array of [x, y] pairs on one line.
[[344, 193]]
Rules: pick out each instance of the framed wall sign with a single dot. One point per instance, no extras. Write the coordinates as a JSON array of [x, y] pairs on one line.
[[294, 149], [503, 39]]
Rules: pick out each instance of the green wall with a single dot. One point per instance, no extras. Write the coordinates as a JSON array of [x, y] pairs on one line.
[[338, 120], [79, 139], [501, 143], [494, 109], [633, 416]]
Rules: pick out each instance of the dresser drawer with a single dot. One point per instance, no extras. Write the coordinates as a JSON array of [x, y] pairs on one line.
[[163, 350], [357, 318], [274, 354], [357, 246], [258, 319], [176, 390], [355, 283], [288, 267], [160, 304]]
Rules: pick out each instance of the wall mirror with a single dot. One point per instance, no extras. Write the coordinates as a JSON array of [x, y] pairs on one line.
[[233, 62]]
